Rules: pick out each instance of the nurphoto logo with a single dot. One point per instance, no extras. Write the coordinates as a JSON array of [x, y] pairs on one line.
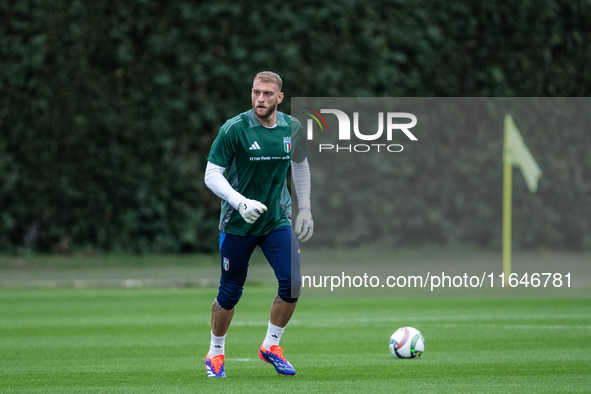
[[344, 132]]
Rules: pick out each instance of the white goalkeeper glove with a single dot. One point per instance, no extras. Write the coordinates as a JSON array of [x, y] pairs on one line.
[[250, 210], [304, 225]]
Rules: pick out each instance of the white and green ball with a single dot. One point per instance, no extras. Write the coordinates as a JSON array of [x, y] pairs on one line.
[[407, 342]]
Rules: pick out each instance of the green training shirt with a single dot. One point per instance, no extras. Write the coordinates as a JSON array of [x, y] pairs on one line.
[[256, 159]]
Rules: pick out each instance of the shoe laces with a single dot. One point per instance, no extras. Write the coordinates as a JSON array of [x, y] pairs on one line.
[[277, 351], [216, 363]]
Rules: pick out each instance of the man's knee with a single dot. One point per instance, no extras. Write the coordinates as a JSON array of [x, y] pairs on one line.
[[228, 295], [290, 293]]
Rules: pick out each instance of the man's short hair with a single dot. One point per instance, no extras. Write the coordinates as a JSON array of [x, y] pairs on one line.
[[269, 77]]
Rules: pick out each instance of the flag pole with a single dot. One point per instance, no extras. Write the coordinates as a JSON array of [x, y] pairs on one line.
[[507, 186]]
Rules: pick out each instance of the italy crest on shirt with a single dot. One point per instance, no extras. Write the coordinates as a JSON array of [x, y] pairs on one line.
[[287, 144]]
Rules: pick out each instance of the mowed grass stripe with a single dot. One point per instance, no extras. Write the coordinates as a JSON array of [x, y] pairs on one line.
[[155, 339], [501, 384], [188, 327], [133, 363]]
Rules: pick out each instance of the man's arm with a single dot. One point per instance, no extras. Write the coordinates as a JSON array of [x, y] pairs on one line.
[[250, 210], [304, 225], [217, 182]]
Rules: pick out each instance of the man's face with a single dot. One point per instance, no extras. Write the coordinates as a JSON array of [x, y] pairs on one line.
[[265, 98]]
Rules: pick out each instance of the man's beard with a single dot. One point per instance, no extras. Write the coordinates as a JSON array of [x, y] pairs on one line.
[[267, 113]]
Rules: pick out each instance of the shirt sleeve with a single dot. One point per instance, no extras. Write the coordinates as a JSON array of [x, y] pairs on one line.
[[223, 148], [300, 151]]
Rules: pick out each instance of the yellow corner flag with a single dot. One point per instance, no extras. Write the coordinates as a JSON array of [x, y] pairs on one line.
[[514, 153], [517, 154]]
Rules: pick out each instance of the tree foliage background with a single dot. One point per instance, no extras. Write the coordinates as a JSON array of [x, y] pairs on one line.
[[108, 108]]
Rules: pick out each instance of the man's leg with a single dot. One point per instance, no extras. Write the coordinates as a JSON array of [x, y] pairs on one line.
[[282, 251], [220, 319], [235, 251], [281, 311]]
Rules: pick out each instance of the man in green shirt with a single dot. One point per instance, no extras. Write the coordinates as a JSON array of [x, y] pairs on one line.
[[255, 150]]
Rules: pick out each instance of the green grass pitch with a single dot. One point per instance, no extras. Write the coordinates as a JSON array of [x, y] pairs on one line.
[[154, 341]]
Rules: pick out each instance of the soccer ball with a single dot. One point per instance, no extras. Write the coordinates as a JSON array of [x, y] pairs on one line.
[[407, 342]]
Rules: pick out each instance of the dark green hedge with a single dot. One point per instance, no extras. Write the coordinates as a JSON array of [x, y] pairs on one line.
[[108, 108]]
